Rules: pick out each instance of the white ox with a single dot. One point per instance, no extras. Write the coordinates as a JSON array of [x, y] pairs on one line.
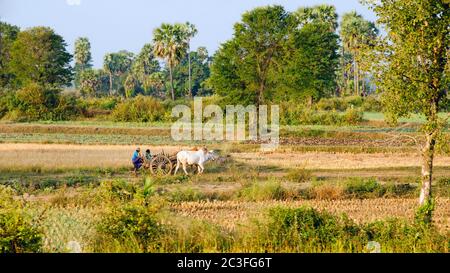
[[196, 157]]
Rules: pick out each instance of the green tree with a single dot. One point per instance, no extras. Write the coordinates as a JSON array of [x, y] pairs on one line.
[[36, 102], [170, 45], [39, 55], [198, 64], [356, 34], [243, 69], [90, 82], [82, 56], [190, 32], [411, 69], [155, 84], [310, 64], [325, 14], [117, 64], [130, 85], [145, 64], [8, 34]]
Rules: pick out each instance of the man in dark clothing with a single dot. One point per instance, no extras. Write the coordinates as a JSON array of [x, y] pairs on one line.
[[137, 160]]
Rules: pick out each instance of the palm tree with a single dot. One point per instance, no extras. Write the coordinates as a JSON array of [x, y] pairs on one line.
[[355, 33], [109, 65], [170, 45], [190, 32]]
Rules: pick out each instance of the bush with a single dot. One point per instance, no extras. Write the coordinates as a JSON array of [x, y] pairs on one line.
[[353, 117], [372, 104], [396, 235], [299, 175], [139, 109], [118, 189], [307, 230], [299, 115], [132, 222], [328, 104], [262, 191], [324, 191], [363, 188], [18, 231], [36, 102], [92, 107], [186, 195]]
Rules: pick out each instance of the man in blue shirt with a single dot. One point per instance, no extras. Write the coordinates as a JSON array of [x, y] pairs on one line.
[[137, 160]]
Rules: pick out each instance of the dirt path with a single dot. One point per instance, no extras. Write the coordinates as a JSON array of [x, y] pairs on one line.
[[51, 156]]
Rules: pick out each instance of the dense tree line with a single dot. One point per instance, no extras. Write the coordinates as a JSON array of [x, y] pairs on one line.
[[274, 56]]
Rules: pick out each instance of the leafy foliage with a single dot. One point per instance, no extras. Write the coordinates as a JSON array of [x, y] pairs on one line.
[[18, 232], [139, 109], [39, 55]]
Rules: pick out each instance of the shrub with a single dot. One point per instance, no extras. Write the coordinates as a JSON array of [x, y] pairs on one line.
[[328, 104], [195, 236], [353, 117], [132, 222], [18, 231], [299, 175], [262, 191], [139, 109], [118, 189], [324, 191], [92, 107], [307, 230], [186, 195], [392, 189], [363, 188], [396, 235], [371, 104], [353, 102]]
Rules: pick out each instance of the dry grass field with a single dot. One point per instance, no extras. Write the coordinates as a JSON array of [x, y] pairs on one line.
[[231, 214], [73, 188], [63, 156]]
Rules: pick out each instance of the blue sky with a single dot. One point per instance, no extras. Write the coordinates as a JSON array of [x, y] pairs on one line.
[[113, 25]]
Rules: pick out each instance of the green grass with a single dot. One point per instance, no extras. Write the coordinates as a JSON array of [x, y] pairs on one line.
[[414, 118]]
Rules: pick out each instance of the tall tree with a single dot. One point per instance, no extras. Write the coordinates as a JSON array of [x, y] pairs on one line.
[[90, 82], [82, 56], [311, 62], [244, 66], [356, 33], [325, 14], [411, 71], [145, 64], [117, 64], [199, 67], [8, 34], [170, 45], [39, 55], [130, 85], [190, 32]]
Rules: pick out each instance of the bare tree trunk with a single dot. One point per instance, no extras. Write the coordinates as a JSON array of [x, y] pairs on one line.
[[344, 81], [190, 83], [260, 98], [171, 82], [110, 83], [356, 78], [427, 168]]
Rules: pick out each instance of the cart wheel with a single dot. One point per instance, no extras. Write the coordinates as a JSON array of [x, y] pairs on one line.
[[161, 165]]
